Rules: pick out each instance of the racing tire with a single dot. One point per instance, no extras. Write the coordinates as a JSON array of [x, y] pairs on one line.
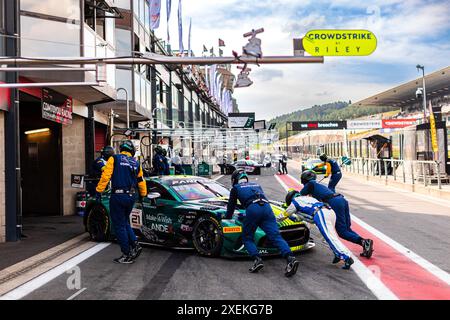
[[207, 236], [98, 224]]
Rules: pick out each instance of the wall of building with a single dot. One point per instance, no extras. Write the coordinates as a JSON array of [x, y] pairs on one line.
[[2, 178], [73, 153]]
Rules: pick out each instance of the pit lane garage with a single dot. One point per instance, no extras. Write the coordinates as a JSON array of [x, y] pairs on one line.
[[185, 212]]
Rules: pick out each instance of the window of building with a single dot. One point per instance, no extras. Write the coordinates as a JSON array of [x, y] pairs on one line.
[[123, 42], [63, 8], [123, 80], [96, 14]]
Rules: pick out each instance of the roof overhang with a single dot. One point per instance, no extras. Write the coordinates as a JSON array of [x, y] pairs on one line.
[[436, 84]]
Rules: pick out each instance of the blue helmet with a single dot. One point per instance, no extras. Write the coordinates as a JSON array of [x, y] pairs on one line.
[[238, 175]]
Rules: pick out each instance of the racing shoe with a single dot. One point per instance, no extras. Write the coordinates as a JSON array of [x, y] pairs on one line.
[[348, 263], [135, 251], [124, 259], [257, 265], [336, 260], [291, 267], [367, 245]]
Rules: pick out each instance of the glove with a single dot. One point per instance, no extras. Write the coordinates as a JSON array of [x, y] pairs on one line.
[[98, 197], [294, 218]]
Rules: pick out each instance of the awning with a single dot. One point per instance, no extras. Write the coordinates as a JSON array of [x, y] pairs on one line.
[[436, 84]]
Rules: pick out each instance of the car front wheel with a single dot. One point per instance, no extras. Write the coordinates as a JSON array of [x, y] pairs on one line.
[[207, 236], [98, 223]]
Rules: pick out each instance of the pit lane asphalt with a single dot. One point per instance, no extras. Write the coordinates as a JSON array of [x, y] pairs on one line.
[[419, 224]]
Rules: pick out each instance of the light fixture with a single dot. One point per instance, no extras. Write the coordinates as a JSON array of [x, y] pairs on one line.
[[37, 131]]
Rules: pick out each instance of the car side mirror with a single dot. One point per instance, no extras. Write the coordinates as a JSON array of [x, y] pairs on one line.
[[153, 195]]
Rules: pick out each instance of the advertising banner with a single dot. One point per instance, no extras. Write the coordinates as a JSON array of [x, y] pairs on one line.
[[56, 106], [259, 125], [318, 125], [398, 123], [364, 124], [241, 120]]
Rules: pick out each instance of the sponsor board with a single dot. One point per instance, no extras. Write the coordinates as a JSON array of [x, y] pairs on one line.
[[398, 123], [241, 120], [364, 124], [318, 125], [232, 229], [56, 106]]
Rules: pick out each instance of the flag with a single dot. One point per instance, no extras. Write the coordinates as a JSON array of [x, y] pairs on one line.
[[221, 43], [180, 29], [434, 144], [220, 52], [211, 51], [155, 13], [169, 9], [205, 49], [189, 38]]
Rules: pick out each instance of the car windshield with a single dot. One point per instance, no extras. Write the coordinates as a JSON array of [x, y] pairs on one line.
[[200, 191]]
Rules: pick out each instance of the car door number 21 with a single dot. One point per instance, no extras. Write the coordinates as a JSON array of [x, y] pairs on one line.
[[136, 218]]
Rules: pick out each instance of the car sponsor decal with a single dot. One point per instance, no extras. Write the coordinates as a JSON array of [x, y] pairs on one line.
[[186, 228], [161, 227], [136, 218], [232, 229], [297, 248], [160, 217]]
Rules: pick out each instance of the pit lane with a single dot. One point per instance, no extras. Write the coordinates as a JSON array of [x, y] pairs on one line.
[[166, 274]]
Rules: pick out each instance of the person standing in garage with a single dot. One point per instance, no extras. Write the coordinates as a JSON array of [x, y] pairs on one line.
[[340, 207], [127, 181], [97, 168], [258, 213], [332, 167]]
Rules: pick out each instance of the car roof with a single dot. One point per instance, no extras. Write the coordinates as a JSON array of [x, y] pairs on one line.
[[169, 180]]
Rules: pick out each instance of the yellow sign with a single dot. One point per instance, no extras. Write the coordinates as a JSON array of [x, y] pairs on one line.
[[232, 229], [434, 144], [339, 42]]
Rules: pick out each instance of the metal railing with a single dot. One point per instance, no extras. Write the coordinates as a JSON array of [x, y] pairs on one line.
[[407, 171]]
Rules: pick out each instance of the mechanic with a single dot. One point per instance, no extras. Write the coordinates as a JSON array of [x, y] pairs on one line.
[[126, 176], [97, 168], [284, 162], [340, 207], [177, 163], [158, 161], [258, 213], [310, 210], [332, 168], [166, 163]]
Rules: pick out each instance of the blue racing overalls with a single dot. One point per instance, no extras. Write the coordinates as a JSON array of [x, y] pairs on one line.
[[313, 211], [126, 177], [258, 213], [158, 164], [336, 174], [339, 205], [97, 169]]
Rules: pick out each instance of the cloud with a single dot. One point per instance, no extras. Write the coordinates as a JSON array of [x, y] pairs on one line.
[[267, 74]]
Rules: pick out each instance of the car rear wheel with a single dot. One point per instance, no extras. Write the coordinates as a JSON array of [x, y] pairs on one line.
[[98, 224], [207, 236]]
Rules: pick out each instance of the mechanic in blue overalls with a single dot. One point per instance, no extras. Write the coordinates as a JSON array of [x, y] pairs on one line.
[[158, 161], [340, 207], [315, 212], [258, 213], [97, 168], [126, 176], [332, 167]]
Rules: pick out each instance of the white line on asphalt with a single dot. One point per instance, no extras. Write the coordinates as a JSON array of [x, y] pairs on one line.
[[218, 177], [36, 283], [76, 294], [370, 280], [433, 269]]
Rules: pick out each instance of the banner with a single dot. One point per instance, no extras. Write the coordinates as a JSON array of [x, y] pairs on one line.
[[364, 124], [318, 125], [398, 123], [168, 9], [56, 106], [241, 120], [433, 131], [155, 13], [180, 29]]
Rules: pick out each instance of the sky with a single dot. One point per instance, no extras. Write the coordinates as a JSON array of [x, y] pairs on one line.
[[408, 32]]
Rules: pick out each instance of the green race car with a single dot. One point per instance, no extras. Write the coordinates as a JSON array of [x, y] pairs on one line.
[[185, 212]]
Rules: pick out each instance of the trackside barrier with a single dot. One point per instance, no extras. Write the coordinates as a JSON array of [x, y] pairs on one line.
[[424, 172]]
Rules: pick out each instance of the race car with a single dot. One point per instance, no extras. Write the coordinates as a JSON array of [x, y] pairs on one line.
[[250, 166], [186, 212], [311, 164]]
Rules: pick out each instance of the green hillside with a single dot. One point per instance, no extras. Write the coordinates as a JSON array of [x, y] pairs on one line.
[[326, 112]]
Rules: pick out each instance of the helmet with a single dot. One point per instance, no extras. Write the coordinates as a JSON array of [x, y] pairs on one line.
[[128, 146], [323, 157], [307, 176], [107, 152], [158, 150], [238, 175], [290, 195]]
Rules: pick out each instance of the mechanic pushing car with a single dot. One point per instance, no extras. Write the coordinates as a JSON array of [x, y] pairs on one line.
[[315, 212], [258, 213], [332, 168], [126, 176], [340, 207]]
